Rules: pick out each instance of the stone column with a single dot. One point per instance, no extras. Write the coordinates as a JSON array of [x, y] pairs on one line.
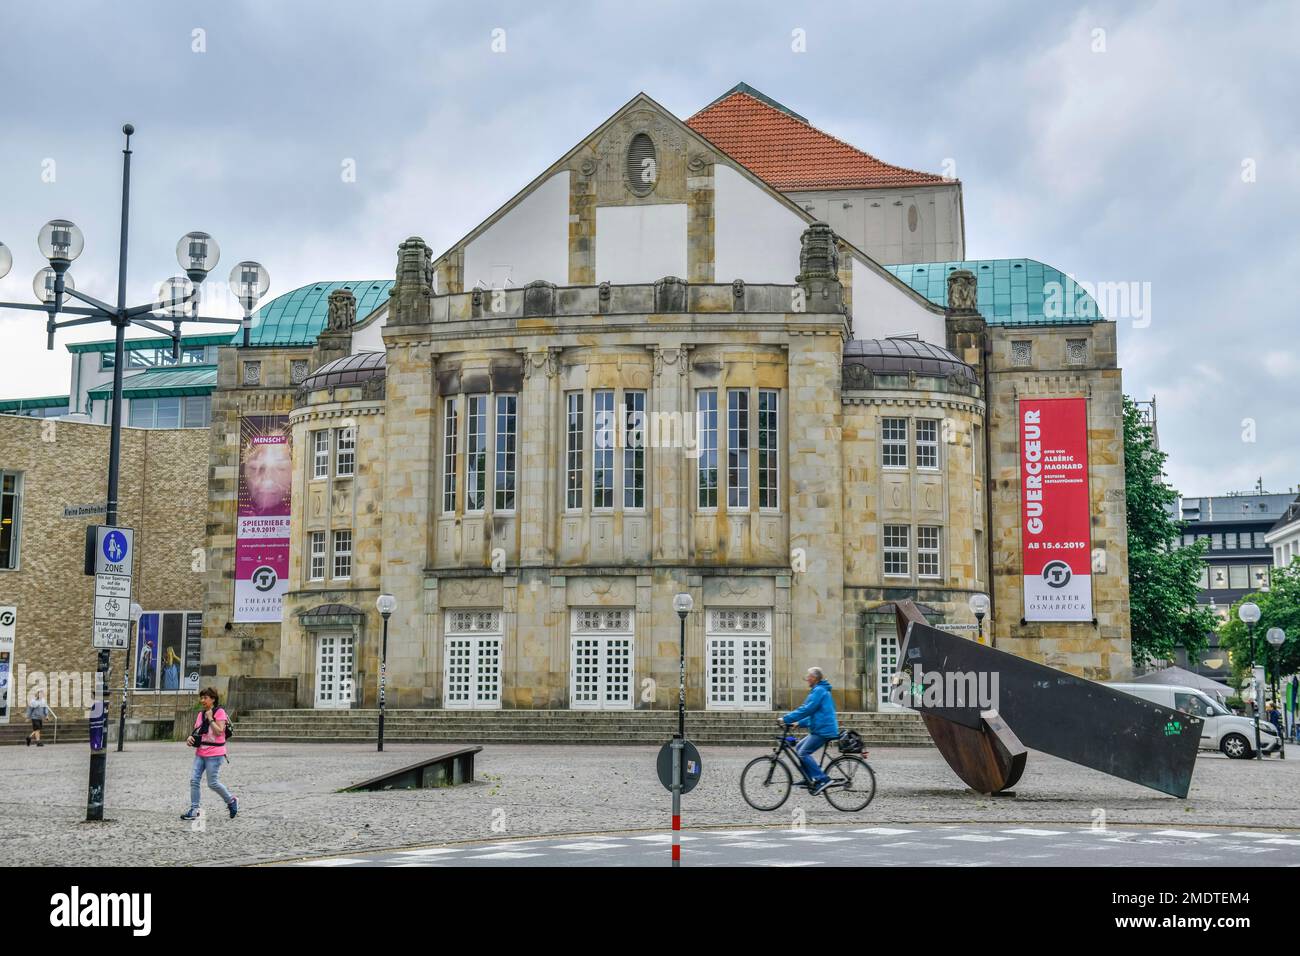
[[409, 430]]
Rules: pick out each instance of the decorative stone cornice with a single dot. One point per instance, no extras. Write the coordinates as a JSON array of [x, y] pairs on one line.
[[974, 406], [313, 413]]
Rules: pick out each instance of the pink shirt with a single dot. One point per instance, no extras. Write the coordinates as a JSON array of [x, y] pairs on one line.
[[213, 744]]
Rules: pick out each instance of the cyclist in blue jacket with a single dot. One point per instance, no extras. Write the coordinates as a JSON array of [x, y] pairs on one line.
[[817, 713]]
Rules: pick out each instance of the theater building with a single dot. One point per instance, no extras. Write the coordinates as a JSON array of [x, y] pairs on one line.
[[653, 371]]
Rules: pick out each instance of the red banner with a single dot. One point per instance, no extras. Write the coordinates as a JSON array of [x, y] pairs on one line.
[[262, 530], [1055, 509]]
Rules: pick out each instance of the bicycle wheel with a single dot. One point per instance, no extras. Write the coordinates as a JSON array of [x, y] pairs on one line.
[[853, 784], [765, 783]]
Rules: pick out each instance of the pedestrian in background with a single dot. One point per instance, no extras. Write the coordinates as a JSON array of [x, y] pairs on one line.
[[1275, 717], [37, 711], [209, 742]]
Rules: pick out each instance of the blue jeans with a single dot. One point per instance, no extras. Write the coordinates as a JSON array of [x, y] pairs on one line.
[[807, 747], [213, 767]]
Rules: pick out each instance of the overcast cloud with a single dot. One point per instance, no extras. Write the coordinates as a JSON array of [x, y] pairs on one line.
[[1117, 166]]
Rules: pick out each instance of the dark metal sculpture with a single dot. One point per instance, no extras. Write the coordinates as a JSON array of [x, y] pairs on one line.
[[984, 707]]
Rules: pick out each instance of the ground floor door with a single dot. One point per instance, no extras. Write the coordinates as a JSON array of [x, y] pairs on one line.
[[472, 660], [738, 654], [601, 663], [335, 660], [886, 668]]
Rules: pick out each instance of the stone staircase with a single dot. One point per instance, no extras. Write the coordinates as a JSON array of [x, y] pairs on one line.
[[715, 728], [70, 732]]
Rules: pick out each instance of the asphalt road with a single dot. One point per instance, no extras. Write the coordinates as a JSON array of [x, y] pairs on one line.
[[921, 845]]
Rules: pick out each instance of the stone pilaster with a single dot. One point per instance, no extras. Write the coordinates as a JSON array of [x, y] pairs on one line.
[[582, 227], [699, 222]]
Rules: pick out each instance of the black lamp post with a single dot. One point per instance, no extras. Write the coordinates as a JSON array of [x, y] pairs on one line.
[[386, 604], [60, 242], [1249, 614], [1275, 637], [682, 604]]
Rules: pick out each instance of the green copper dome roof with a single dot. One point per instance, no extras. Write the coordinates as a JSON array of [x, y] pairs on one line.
[[297, 317], [1009, 291]]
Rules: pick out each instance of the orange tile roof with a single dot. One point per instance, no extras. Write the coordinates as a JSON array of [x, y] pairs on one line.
[[790, 154]]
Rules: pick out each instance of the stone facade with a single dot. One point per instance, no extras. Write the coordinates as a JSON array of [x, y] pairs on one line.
[[811, 562], [162, 495], [530, 571]]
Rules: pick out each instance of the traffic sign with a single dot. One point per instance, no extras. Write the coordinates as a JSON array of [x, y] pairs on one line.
[[112, 608], [111, 635], [109, 550], [691, 766], [113, 585], [110, 553]]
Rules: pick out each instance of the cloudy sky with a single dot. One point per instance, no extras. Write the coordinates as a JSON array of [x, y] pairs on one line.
[[1147, 143]]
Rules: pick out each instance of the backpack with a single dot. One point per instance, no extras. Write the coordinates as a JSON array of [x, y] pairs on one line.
[[850, 742]]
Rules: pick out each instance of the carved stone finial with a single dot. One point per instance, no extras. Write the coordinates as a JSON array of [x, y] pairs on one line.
[[819, 270], [411, 297], [819, 256], [963, 291], [342, 310]]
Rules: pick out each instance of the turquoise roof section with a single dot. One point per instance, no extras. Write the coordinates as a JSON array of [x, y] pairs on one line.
[[297, 317], [131, 345], [159, 382], [1010, 291], [22, 404]]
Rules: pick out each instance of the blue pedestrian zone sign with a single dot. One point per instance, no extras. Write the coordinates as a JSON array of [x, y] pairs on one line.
[[111, 551], [115, 547]]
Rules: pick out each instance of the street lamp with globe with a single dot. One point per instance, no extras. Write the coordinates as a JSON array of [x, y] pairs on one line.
[[386, 604], [1276, 637], [60, 242], [1249, 614]]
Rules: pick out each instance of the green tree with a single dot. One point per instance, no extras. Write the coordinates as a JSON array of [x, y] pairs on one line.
[[1163, 578], [1279, 606]]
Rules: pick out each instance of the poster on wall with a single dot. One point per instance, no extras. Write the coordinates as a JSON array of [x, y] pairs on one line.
[[193, 651], [1055, 509], [8, 628], [262, 522], [146, 652], [169, 650]]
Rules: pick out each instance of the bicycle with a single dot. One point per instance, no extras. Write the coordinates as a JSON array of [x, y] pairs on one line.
[[766, 782]]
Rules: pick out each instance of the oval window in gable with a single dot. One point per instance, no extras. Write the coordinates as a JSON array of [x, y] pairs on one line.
[[642, 165]]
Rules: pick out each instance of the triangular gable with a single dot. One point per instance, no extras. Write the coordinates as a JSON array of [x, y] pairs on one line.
[[696, 144]]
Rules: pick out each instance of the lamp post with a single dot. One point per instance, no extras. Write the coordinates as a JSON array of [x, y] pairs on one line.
[[1249, 614], [979, 606], [683, 603], [386, 604], [61, 242], [1275, 637], [137, 612]]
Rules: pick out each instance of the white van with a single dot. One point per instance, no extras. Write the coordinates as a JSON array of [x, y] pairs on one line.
[[1221, 730]]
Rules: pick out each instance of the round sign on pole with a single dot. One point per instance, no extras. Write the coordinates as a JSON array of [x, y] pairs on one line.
[[691, 766]]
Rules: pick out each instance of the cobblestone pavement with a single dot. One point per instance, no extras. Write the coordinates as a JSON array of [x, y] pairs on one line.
[[926, 845], [289, 808]]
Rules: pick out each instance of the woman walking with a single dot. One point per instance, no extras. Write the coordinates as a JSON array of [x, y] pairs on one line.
[[37, 711], [209, 743]]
